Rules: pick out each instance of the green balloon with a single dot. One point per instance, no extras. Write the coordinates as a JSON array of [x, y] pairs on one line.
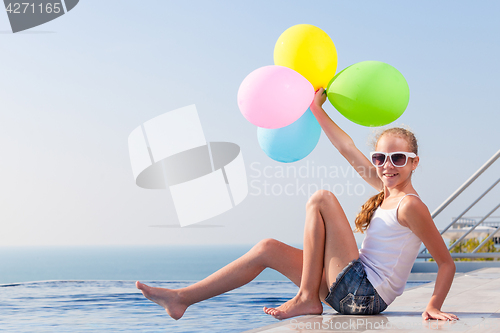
[[369, 93]]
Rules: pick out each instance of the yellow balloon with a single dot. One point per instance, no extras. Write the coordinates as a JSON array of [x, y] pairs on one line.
[[308, 50]]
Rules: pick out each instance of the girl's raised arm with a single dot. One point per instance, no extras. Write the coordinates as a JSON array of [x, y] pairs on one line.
[[344, 143]]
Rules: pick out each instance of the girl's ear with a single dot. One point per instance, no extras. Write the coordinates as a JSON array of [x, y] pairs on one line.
[[415, 163]]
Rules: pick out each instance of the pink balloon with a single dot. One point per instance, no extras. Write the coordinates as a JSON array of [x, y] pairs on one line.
[[274, 96]]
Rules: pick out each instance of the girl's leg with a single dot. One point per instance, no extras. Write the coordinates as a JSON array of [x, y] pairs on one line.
[[267, 253], [329, 245]]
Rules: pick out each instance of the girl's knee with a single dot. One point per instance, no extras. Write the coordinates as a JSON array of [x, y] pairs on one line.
[[322, 197], [266, 245], [265, 249]]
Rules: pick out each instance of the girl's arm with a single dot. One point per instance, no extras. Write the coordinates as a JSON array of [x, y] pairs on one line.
[[344, 143], [413, 213]]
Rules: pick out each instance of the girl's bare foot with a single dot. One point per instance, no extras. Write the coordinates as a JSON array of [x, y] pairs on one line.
[[169, 299], [295, 307]]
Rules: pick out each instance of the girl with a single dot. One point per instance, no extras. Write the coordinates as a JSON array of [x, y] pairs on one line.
[[331, 268]]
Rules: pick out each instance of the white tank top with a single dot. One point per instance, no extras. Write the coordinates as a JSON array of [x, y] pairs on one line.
[[388, 253]]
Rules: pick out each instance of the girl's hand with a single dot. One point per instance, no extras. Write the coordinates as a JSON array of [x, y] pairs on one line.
[[433, 313], [319, 98]]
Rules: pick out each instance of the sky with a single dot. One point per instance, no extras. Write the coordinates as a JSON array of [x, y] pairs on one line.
[[73, 89]]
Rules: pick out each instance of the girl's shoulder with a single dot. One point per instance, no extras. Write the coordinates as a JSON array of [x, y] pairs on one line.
[[412, 208], [411, 201]]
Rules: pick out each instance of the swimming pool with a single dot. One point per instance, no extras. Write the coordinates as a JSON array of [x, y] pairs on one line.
[[92, 289], [117, 306]]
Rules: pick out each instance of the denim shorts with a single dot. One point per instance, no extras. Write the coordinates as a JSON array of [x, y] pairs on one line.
[[353, 294]]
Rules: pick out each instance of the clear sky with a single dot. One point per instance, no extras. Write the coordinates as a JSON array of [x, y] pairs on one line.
[[73, 89]]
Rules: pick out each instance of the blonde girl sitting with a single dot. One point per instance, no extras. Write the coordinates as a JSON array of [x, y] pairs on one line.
[[330, 268]]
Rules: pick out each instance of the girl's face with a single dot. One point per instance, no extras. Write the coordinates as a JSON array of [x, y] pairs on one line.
[[390, 175]]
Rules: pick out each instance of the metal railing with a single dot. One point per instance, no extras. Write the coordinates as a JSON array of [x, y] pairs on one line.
[[474, 254]]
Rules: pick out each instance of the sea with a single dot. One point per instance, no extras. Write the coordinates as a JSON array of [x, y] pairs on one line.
[[92, 289]]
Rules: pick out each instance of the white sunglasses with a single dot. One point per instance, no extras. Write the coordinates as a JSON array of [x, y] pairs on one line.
[[398, 158]]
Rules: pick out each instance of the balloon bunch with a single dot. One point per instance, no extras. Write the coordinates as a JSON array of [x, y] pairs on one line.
[[276, 98]]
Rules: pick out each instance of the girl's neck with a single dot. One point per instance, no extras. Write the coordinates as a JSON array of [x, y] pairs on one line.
[[398, 191]]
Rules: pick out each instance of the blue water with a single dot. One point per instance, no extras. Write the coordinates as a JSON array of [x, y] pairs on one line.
[[116, 306], [84, 289]]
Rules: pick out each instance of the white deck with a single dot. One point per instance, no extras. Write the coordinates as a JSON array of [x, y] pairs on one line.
[[474, 297]]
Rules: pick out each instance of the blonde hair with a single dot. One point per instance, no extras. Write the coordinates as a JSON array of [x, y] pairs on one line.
[[365, 215]]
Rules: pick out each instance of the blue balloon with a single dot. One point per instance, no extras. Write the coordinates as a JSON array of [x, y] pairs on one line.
[[293, 142]]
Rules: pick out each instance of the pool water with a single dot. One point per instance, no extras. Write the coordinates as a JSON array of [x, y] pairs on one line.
[[117, 306]]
